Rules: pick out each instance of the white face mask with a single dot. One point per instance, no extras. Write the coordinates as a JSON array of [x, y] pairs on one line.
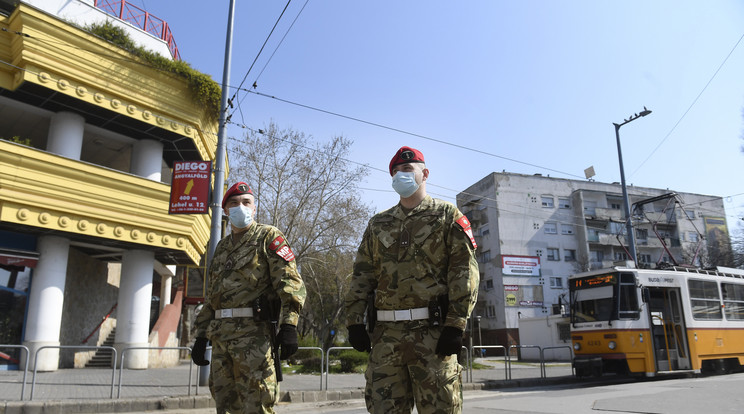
[[241, 216], [404, 183]]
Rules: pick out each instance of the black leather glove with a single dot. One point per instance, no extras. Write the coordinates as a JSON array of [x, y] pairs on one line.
[[197, 352], [359, 338], [287, 339], [450, 341]]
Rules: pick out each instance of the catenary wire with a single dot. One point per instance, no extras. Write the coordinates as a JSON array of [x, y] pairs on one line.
[[694, 101]]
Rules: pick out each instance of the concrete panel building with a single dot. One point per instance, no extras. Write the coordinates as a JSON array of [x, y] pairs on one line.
[[534, 231], [90, 132]]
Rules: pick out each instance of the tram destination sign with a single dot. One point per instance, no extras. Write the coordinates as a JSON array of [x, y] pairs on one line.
[[593, 281], [190, 187]]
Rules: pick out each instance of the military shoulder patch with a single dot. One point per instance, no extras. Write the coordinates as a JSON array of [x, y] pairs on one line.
[[284, 252], [465, 224]]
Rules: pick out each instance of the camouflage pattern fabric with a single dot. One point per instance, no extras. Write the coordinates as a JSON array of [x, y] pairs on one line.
[[402, 365], [245, 266], [242, 378], [408, 259]]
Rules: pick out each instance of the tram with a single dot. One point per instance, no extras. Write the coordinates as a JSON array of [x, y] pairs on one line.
[[648, 322]]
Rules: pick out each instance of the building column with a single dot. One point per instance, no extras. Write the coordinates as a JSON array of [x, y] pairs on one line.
[[133, 314], [66, 135], [166, 287], [147, 159], [45, 302]]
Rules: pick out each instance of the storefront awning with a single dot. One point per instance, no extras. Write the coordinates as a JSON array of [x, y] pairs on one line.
[[20, 258]]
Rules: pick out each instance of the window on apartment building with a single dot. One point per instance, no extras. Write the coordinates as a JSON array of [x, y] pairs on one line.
[[692, 236], [617, 228], [620, 256], [641, 234], [485, 257], [556, 282], [569, 255], [644, 258], [547, 201], [489, 284], [564, 202], [593, 235], [690, 214], [554, 255], [596, 255], [567, 229], [485, 232], [491, 311], [550, 228], [590, 208]]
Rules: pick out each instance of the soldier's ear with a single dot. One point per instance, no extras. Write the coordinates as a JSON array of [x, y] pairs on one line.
[[426, 173]]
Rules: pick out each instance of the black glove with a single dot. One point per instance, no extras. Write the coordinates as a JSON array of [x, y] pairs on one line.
[[450, 341], [287, 339], [198, 350], [359, 338]]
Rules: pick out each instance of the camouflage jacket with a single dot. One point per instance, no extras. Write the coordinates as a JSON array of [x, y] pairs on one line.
[[409, 259], [259, 262]]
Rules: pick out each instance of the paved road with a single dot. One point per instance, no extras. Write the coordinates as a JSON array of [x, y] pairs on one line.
[[712, 395]]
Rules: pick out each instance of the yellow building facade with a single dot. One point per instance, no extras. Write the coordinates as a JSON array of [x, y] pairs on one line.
[[89, 133]]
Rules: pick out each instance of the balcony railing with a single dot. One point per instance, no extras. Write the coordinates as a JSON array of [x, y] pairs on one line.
[[141, 19]]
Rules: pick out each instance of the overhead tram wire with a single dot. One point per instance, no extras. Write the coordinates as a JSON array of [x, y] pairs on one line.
[[255, 81], [257, 56], [694, 101], [409, 133]]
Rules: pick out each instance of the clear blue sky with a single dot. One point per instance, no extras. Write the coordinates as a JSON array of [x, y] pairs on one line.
[[539, 82]]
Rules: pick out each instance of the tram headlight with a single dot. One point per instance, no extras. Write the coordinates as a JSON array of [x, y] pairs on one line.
[[612, 345], [577, 346]]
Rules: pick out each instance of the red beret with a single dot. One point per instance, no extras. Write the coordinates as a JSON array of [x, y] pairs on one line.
[[406, 155], [236, 189]]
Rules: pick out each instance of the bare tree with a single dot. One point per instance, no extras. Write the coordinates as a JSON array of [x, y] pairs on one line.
[[310, 192]]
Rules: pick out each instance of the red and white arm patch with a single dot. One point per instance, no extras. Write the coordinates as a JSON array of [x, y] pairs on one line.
[[284, 252], [465, 224]]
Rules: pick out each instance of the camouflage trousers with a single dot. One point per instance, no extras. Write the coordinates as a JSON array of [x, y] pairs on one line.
[[242, 378], [403, 368]]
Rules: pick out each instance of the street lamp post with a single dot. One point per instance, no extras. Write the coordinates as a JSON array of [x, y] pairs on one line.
[[626, 200]]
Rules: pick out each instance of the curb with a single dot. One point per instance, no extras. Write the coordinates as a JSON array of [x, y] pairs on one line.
[[205, 401]]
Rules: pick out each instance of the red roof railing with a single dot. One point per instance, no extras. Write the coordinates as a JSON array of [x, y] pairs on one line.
[[142, 19]]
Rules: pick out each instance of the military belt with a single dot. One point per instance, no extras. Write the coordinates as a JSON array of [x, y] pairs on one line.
[[233, 313], [403, 315]]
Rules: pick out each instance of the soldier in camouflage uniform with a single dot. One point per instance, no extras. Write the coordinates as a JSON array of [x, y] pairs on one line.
[[252, 262], [416, 262]]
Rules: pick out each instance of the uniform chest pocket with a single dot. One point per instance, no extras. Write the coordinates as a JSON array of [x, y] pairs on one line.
[[429, 237], [246, 263]]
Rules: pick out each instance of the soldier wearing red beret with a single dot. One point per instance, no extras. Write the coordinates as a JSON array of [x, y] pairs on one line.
[[253, 280], [417, 263]]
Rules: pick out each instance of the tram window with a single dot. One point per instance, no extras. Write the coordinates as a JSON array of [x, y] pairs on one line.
[[733, 301], [705, 299], [594, 304], [628, 297]]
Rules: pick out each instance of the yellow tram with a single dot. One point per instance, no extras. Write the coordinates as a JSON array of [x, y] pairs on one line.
[[648, 322]]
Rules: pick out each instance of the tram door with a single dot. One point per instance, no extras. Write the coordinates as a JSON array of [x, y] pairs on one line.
[[671, 351]]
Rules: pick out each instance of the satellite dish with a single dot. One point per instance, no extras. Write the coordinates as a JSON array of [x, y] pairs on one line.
[[589, 173]]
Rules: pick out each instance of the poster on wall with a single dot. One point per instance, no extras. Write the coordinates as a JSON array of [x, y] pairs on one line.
[[190, 187], [520, 265]]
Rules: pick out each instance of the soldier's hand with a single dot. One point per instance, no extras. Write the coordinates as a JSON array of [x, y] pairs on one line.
[[359, 338], [198, 351], [287, 338], [450, 341]]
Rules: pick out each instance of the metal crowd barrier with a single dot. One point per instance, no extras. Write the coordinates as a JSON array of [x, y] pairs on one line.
[[322, 355], [125, 350], [328, 362], [508, 351], [506, 359], [542, 358], [36, 358], [25, 366]]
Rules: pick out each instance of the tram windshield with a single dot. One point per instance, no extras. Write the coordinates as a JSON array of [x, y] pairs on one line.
[[592, 304]]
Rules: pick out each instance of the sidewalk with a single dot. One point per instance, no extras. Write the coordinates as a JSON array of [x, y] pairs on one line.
[[89, 390]]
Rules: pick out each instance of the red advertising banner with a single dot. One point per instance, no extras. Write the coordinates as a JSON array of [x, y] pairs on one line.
[[190, 187]]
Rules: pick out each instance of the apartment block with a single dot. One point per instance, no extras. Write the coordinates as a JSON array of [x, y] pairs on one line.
[[534, 231]]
